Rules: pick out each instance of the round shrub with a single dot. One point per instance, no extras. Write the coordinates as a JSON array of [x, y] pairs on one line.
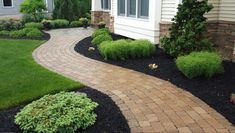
[[34, 25], [62, 112], [76, 24], [141, 48], [200, 64], [101, 38], [100, 32], [34, 33], [59, 23]]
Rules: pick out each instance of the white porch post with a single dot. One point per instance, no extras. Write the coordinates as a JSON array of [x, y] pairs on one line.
[[96, 5]]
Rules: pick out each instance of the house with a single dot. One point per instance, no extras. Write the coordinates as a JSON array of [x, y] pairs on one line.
[[150, 19], [11, 7]]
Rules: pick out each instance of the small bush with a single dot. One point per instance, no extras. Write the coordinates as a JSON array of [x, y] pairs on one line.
[[124, 49], [27, 18], [200, 64], [34, 25], [10, 24], [76, 24], [59, 23], [101, 38], [4, 33], [100, 32], [62, 112], [34, 33], [18, 33]]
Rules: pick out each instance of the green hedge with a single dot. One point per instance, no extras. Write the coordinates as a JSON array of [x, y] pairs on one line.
[[124, 49], [76, 24], [26, 32], [62, 112], [59, 23], [200, 64], [10, 24], [100, 32], [101, 38], [34, 25], [34, 33]]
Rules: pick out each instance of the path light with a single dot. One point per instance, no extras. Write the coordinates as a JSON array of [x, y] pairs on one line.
[[153, 66], [91, 49]]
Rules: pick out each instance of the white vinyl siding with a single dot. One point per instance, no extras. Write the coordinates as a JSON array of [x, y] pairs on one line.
[[227, 10], [214, 13], [168, 10]]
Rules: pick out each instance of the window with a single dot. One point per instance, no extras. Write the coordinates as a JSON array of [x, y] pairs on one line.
[[7, 3], [121, 7], [106, 4], [131, 7], [134, 8], [143, 8]]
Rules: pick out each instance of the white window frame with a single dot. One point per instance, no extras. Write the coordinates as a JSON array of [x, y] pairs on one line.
[[138, 10], [129, 8], [12, 4], [103, 4]]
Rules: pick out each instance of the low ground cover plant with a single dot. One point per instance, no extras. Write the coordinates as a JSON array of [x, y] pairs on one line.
[[200, 64], [62, 112], [101, 38], [34, 25], [124, 49], [26, 32]]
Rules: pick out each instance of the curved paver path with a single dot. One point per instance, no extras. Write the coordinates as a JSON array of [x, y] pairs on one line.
[[148, 103]]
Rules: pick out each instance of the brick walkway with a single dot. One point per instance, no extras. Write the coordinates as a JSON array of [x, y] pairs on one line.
[[149, 104]]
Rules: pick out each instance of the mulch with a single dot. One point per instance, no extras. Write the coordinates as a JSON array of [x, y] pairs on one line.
[[45, 36], [109, 117], [215, 91]]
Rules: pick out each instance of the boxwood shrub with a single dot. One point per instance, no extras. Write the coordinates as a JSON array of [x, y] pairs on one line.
[[100, 32], [34, 33], [34, 25], [29, 32], [200, 64], [76, 24], [59, 23], [62, 112], [101, 38], [124, 49]]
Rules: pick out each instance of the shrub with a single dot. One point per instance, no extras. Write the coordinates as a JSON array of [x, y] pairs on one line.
[[18, 33], [62, 112], [76, 24], [34, 25], [187, 32], [124, 49], [101, 38], [34, 33], [59, 23], [100, 32], [84, 21], [27, 18], [200, 64], [4, 33], [10, 24], [33, 8]]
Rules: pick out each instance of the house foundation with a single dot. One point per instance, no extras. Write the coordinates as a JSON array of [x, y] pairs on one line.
[[98, 16], [221, 34]]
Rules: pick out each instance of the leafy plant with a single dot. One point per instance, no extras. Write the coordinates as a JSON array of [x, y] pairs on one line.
[[62, 112], [100, 32], [10, 24], [17, 33], [33, 7], [101, 38], [34, 33], [84, 22], [4, 33], [188, 29], [76, 24], [124, 49], [26, 18], [71, 9], [200, 64], [34, 25], [59, 23]]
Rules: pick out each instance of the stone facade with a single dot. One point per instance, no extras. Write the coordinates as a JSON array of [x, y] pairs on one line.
[[221, 34], [98, 16]]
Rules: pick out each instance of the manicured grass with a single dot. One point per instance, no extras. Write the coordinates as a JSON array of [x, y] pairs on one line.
[[22, 79]]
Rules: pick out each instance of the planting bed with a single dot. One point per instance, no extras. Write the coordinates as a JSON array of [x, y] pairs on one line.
[[109, 117], [46, 36], [215, 91]]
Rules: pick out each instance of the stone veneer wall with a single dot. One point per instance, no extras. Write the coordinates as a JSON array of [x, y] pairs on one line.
[[221, 34], [97, 16]]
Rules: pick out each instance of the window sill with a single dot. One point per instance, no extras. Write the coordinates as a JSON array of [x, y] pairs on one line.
[[133, 18], [7, 7]]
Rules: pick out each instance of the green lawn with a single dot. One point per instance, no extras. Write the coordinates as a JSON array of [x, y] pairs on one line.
[[22, 79]]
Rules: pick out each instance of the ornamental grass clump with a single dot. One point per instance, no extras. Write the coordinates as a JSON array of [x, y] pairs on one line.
[[200, 64], [124, 48], [100, 32], [187, 32], [59, 113], [101, 38]]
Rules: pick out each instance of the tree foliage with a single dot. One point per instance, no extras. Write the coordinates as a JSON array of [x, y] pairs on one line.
[[33, 7], [71, 9], [187, 32]]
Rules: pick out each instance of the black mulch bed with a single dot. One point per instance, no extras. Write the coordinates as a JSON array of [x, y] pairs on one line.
[[109, 116], [215, 91], [45, 36]]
